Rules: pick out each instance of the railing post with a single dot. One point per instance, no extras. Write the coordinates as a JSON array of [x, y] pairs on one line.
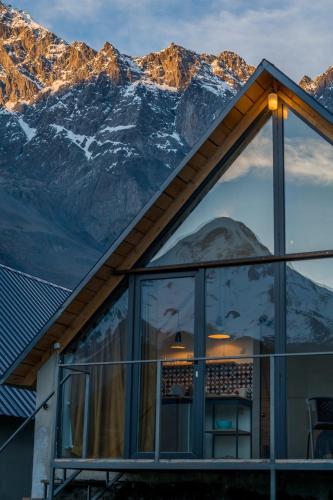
[[272, 406], [272, 426], [54, 426], [158, 410], [86, 416]]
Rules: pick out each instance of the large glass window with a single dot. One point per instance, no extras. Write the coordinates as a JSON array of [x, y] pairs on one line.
[[239, 322], [309, 188], [235, 218], [106, 340]]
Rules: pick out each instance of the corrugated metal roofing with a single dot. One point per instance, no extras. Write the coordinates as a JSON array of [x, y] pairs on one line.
[[16, 402], [26, 305]]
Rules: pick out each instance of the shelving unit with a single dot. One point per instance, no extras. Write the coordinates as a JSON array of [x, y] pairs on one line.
[[236, 441]]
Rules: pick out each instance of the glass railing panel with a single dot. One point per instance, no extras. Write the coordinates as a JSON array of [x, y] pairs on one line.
[[310, 407], [237, 406], [173, 394], [107, 411], [176, 407], [72, 397], [92, 417]]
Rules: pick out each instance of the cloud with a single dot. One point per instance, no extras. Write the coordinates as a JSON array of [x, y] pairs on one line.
[[307, 160], [310, 161], [296, 35]]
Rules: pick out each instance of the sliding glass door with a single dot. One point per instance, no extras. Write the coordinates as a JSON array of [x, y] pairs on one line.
[[165, 330]]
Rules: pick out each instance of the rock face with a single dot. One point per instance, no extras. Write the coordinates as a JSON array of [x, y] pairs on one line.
[[88, 136], [321, 87]]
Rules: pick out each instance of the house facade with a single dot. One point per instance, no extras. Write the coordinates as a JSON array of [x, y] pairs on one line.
[[203, 339]]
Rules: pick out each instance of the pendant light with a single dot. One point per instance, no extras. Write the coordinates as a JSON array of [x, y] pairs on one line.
[[219, 333], [178, 344]]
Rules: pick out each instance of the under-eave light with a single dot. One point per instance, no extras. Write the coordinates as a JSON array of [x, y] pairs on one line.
[[285, 112], [272, 102]]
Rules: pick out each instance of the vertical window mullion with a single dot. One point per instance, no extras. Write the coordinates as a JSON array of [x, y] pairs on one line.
[[128, 428], [280, 284], [200, 366]]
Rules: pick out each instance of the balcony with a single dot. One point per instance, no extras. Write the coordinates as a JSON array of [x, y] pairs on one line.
[[266, 411]]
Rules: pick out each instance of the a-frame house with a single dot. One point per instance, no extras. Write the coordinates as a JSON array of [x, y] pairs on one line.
[[202, 338]]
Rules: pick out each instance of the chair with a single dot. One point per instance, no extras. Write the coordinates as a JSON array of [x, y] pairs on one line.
[[320, 412]]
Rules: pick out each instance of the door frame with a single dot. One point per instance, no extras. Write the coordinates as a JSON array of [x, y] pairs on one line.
[[198, 381]]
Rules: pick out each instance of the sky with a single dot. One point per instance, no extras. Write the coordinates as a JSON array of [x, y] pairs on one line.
[[295, 35]]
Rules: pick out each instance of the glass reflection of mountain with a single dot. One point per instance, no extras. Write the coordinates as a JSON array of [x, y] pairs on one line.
[[309, 305], [220, 238]]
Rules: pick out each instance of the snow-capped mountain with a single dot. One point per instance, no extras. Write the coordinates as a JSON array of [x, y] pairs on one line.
[[88, 136]]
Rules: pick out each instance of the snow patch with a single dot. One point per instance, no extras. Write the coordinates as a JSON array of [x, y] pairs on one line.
[[29, 131], [82, 141], [117, 128]]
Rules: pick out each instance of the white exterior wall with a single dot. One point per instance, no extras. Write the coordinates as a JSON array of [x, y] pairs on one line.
[[43, 427]]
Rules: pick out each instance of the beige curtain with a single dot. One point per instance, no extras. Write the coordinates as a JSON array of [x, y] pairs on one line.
[[148, 390], [107, 398]]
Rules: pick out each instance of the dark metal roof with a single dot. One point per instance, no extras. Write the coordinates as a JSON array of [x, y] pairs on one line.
[[16, 402], [26, 305]]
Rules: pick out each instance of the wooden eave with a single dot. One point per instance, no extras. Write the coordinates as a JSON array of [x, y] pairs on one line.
[[138, 237]]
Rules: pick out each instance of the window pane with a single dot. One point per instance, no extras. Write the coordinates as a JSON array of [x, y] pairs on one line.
[[167, 332], [239, 322], [310, 305], [309, 188], [104, 341], [235, 218]]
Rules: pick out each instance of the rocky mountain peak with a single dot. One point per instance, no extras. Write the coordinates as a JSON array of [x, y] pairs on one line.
[[173, 66], [320, 87], [231, 67]]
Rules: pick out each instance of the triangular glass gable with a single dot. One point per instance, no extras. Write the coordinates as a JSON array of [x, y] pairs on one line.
[[235, 218], [308, 188]]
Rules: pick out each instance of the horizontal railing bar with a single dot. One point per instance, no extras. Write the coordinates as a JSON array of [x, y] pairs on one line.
[[70, 375], [26, 422], [200, 358], [193, 266]]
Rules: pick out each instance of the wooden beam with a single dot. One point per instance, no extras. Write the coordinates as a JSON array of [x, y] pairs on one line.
[[308, 114]]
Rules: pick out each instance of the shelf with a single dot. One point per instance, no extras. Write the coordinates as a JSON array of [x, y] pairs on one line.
[[228, 432]]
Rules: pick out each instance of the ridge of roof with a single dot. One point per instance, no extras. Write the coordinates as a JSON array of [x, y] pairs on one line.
[[35, 278]]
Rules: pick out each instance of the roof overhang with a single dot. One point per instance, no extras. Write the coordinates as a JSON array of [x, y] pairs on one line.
[[241, 112]]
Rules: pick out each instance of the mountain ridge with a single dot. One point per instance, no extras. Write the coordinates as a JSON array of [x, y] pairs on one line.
[[88, 136]]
